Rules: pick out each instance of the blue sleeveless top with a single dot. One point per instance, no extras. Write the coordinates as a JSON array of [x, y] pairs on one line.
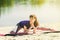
[[24, 23]]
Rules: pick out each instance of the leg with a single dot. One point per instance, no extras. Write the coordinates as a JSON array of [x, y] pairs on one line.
[[18, 29]]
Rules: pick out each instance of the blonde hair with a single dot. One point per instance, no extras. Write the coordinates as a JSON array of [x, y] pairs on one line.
[[36, 22]]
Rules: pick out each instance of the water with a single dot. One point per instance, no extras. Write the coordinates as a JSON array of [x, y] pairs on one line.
[[47, 13]]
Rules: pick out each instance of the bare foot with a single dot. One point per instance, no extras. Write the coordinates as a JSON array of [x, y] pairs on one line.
[[12, 32]]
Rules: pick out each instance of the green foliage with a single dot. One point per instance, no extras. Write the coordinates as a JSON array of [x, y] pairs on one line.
[[36, 2], [6, 3], [2, 3]]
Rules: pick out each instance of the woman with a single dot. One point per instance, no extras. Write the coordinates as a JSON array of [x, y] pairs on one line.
[[28, 24]]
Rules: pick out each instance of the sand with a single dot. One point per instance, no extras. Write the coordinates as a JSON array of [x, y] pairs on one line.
[[38, 36]]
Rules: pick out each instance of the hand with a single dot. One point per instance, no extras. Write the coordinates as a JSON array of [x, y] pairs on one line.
[[34, 30]]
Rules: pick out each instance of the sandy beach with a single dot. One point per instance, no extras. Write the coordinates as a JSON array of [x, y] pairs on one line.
[[38, 36]]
